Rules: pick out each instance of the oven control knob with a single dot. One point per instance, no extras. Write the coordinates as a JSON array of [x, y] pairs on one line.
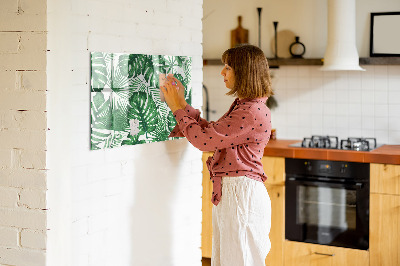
[[308, 166], [343, 168]]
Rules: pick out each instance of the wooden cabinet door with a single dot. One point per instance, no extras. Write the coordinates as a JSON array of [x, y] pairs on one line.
[[206, 226], [384, 237], [277, 233], [274, 168], [385, 178], [304, 254]]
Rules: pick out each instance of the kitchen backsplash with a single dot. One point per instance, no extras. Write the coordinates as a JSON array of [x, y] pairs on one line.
[[314, 102]]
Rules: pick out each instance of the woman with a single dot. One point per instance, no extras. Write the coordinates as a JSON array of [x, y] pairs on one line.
[[242, 208]]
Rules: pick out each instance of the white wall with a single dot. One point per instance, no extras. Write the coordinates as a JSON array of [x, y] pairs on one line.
[[23, 133], [311, 102], [306, 19], [134, 205]]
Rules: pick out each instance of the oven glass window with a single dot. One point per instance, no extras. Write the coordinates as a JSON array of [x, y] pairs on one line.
[[326, 207]]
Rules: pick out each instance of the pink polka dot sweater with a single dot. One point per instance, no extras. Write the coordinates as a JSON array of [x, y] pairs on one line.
[[238, 139]]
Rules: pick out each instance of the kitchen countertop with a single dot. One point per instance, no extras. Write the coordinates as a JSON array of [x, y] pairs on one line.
[[389, 154]]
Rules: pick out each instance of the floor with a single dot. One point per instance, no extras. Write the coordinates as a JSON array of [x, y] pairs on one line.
[[206, 261]]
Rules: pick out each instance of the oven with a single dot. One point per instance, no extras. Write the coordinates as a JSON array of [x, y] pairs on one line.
[[327, 202]]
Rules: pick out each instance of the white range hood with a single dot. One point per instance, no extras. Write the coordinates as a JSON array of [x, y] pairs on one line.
[[341, 51]]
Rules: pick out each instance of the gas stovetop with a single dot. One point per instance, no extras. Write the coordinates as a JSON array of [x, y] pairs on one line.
[[332, 142]]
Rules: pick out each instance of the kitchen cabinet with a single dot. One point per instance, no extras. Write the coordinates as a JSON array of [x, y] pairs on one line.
[[305, 254], [385, 215], [206, 225], [385, 178], [274, 168]]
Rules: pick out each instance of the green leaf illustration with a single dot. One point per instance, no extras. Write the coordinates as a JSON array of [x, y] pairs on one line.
[[143, 109], [101, 71], [126, 106]]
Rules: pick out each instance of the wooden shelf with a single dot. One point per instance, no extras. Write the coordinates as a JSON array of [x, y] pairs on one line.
[[273, 63], [380, 61]]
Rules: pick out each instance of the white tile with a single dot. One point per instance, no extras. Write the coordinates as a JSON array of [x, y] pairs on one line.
[[355, 109], [367, 133], [342, 122], [342, 109], [381, 110], [381, 123], [381, 97], [355, 96], [303, 82], [342, 81], [367, 122], [355, 122], [367, 96], [394, 70], [329, 94], [342, 133], [367, 83], [291, 71], [394, 137], [394, 83], [304, 72], [329, 122], [354, 82], [367, 110], [292, 82], [328, 74], [317, 120], [382, 136], [355, 132], [317, 107], [394, 123], [317, 95], [316, 72], [381, 84], [316, 82], [329, 109], [394, 97], [317, 131], [380, 71], [279, 72], [394, 110], [342, 96]]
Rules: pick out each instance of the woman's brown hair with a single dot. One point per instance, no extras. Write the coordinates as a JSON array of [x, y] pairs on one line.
[[250, 66]]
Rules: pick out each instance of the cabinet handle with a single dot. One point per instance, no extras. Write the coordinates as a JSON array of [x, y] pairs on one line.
[[324, 254]]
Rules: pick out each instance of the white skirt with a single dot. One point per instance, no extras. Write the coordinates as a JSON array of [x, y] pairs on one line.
[[241, 223]]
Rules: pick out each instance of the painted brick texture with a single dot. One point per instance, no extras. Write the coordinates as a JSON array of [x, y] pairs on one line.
[[134, 205], [23, 132]]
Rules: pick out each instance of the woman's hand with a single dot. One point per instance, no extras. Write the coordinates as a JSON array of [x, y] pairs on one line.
[[174, 94], [181, 91]]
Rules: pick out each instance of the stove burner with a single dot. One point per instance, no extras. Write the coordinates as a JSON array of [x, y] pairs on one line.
[[358, 144], [332, 142], [328, 142]]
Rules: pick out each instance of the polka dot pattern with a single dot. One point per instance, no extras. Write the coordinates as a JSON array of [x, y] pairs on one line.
[[238, 139]]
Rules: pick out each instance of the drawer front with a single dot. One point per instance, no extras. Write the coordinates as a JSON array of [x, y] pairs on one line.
[[297, 254]]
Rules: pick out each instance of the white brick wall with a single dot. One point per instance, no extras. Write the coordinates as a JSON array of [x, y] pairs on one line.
[[23, 132], [135, 205]]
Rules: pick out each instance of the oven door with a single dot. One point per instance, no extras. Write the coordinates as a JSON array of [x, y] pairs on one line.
[[327, 213]]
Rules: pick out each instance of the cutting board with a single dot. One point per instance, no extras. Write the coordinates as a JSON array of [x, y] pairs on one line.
[[239, 35]]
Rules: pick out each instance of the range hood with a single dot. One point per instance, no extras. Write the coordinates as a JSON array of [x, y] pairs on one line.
[[341, 51]]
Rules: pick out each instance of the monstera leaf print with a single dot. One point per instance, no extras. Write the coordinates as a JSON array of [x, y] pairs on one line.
[[126, 106], [143, 109], [101, 70], [101, 117]]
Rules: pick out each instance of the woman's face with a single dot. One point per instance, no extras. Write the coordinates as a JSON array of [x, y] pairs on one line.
[[229, 76]]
